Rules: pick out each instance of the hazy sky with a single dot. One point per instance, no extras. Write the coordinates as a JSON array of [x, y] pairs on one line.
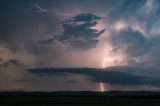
[[75, 33]]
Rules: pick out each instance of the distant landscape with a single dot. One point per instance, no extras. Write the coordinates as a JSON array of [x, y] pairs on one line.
[[81, 98]]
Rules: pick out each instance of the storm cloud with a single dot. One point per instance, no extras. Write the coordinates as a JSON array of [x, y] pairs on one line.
[[45, 36], [100, 75], [78, 32], [131, 42]]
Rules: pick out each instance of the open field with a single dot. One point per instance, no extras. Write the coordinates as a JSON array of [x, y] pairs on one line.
[[76, 100]]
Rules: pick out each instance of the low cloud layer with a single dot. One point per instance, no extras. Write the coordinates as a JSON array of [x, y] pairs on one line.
[[100, 75]]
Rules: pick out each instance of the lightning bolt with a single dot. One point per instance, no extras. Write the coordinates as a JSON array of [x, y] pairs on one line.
[[39, 9], [101, 84]]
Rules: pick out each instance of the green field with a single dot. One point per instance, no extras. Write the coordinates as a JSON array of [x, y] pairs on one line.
[[78, 101]]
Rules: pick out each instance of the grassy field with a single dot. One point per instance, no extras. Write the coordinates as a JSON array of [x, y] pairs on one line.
[[78, 101]]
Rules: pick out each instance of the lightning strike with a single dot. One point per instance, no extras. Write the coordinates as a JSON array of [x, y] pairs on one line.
[[103, 66], [39, 9], [102, 88]]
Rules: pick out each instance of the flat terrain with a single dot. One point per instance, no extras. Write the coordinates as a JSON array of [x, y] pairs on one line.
[[78, 101], [75, 100]]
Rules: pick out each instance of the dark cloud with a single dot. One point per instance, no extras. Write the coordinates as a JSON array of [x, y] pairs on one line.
[[153, 58], [131, 42], [78, 32], [134, 44], [7, 63], [100, 75]]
